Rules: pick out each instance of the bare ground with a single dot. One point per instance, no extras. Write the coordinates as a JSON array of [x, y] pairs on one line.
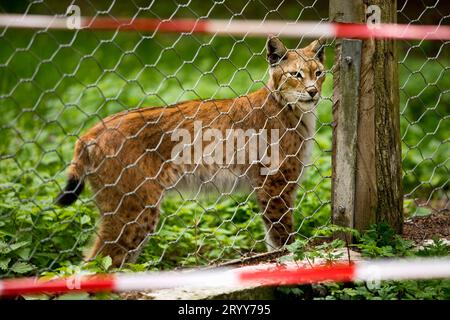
[[419, 229]]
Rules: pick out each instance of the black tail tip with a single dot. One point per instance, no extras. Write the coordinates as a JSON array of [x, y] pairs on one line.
[[71, 192]]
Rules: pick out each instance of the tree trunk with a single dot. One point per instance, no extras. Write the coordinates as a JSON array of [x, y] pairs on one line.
[[375, 193]]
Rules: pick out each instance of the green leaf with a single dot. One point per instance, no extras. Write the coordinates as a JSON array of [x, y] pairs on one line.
[[85, 220], [106, 262], [4, 248], [21, 267], [36, 297], [18, 245], [74, 296], [24, 253], [4, 263]]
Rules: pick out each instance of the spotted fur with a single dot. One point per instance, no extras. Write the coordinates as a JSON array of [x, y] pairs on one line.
[[126, 157]]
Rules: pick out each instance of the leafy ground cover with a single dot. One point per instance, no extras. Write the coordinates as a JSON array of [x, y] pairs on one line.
[[58, 84], [380, 241]]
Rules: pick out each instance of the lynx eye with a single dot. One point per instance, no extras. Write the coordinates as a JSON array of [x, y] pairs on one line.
[[319, 73], [297, 74]]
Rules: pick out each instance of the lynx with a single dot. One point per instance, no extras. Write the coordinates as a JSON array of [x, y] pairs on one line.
[[128, 158]]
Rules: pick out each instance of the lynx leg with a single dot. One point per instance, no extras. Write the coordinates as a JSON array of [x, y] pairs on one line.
[[276, 202], [124, 229]]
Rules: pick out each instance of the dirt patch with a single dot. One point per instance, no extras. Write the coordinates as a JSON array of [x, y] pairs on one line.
[[419, 229]]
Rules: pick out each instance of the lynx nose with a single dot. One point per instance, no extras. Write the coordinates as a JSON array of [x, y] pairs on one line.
[[312, 92]]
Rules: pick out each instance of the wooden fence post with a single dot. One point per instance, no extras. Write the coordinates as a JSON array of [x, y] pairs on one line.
[[367, 176]]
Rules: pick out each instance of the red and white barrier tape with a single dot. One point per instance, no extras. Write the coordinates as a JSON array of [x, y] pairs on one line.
[[265, 275], [312, 29]]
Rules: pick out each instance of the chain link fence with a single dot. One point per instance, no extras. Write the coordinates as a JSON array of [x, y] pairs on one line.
[[424, 107], [56, 84]]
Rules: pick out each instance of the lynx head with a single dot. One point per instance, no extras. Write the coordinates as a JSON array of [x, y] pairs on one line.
[[296, 75]]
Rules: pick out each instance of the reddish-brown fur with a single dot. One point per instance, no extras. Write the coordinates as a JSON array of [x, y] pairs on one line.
[[127, 157]]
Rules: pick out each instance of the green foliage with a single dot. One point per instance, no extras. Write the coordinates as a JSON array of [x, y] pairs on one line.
[[34, 235], [382, 241], [424, 104], [379, 241], [69, 90], [436, 249], [41, 120], [333, 229], [392, 290], [326, 251], [193, 234]]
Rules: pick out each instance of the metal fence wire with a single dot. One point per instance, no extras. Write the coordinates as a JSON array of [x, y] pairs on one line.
[[55, 85], [424, 111]]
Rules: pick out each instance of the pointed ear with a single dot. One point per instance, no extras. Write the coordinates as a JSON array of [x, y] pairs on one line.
[[318, 48], [276, 51]]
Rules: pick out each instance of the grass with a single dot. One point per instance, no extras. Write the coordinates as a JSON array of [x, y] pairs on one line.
[[379, 241], [54, 85]]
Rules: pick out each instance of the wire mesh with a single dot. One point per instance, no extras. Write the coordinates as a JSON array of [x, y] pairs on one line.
[[424, 108], [56, 85]]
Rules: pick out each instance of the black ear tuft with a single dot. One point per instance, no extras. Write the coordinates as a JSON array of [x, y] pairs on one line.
[[320, 54], [273, 58], [276, 51]]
